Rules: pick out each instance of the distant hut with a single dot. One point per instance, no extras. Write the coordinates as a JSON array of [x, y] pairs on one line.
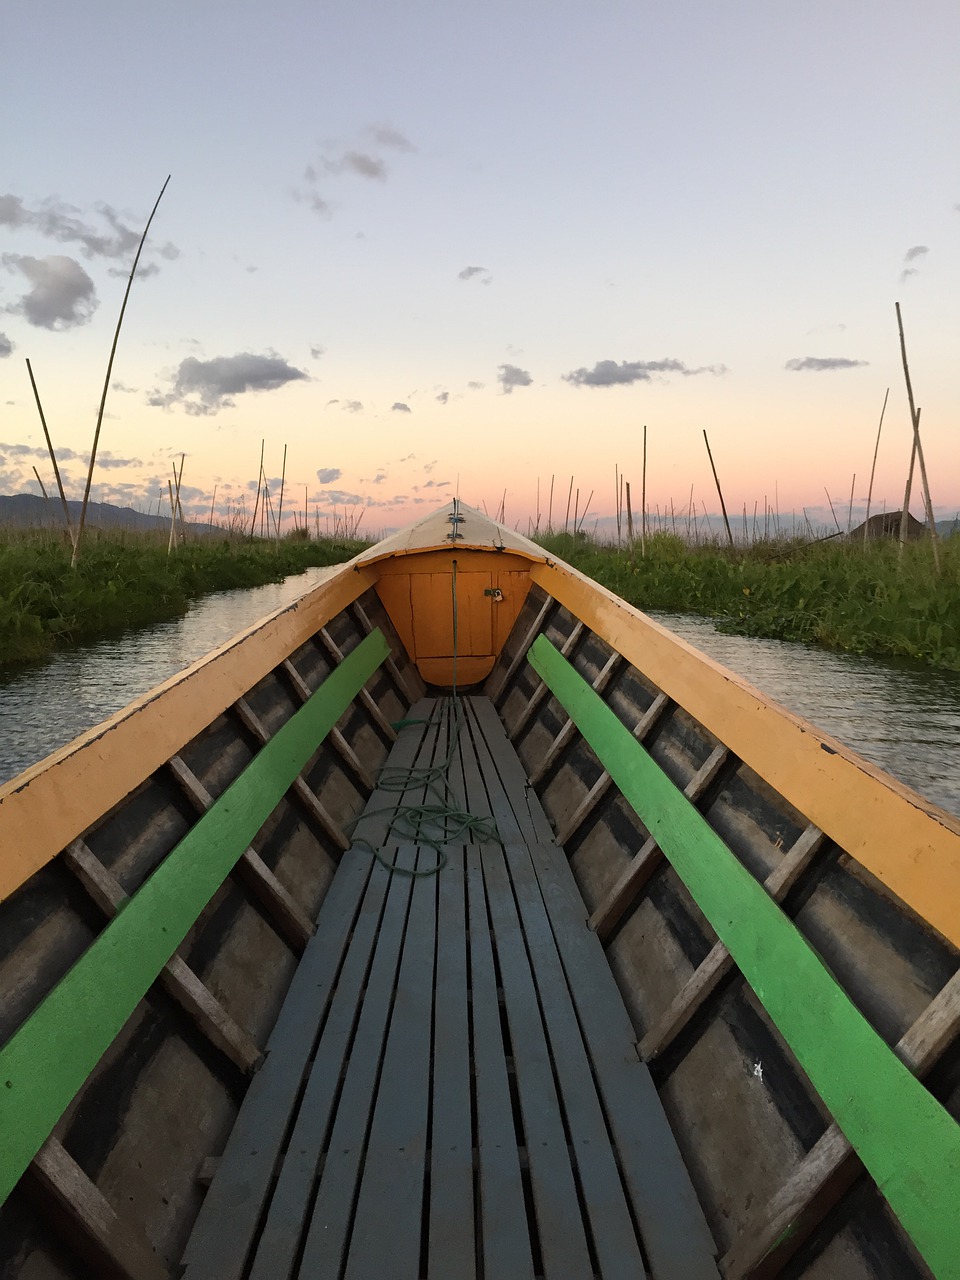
[[887, 525]]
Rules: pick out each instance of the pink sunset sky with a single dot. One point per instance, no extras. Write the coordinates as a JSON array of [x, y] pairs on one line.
[[434, 249]]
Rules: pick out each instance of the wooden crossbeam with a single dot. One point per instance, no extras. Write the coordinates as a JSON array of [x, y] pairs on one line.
[[406, 680], [603, 784], [176, 977], [569, 730], [290, 919], [641, 866], [710, 973], [541, 691], [300, 788], [376, 715], [831, 1167], [495, 691], [82, 1214], [334, 737]]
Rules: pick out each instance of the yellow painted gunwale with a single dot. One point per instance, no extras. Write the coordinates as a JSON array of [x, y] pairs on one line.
[[50, 804], [909, 844]]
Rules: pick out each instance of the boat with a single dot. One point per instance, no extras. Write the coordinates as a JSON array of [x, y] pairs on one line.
[[458, 920]]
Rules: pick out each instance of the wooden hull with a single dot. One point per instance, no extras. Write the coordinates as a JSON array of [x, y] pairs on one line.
[[781, 919]]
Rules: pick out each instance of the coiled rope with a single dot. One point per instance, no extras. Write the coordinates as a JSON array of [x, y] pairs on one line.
[[439, 819]]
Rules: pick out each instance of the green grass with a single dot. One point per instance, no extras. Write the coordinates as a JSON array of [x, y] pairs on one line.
[[849, 596], [125, 580]]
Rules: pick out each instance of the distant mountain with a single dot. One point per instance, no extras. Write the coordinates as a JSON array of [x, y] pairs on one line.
[[946, 527], [26, 509]]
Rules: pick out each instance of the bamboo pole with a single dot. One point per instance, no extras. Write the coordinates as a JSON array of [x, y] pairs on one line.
[[873, 468], [283, 476], [550, 508], [830, 500], [213, 503], [643, 498], [616, 498], [850, 508], [915, 420], [566, 518], [256, 505], [53, 458], [576, 508], [629, 517], [106, 382], [716, 480]]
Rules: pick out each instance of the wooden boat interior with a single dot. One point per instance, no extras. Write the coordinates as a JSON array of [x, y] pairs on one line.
[[460, 921]]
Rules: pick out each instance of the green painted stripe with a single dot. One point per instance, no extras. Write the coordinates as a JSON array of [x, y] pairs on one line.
[[44, 1064], [905, 1138]]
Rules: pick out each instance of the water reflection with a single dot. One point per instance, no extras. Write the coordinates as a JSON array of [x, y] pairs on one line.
[[901, 716], [45, 708]]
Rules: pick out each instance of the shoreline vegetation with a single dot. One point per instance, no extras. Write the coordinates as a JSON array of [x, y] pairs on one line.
[[841, 594], [864, 598], [126, 580]]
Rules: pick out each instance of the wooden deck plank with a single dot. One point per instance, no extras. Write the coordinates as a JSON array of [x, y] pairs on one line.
[[328, 1232], [278, 1245], [563, 1244], [498, 759], [676, 1238], [388, 1222], [605, 1200], [451, 1230], [504, 1234], [228, 1218]]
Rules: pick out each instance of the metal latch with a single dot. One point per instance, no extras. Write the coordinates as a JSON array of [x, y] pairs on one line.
[[494, 592]]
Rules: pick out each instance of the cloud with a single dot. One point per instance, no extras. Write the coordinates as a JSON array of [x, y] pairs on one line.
[[55, 220], [317, 352], [341, 497], [607, 373], [913, 255], [117, 385], [819, 364], [6, 346], [469, 272], [327, 475], [442, 396], [62, 294], [207, 386], [358, 162], [400, 407], [475, 386], [511, 376], [104, 459], [353, 406], [387, 137]]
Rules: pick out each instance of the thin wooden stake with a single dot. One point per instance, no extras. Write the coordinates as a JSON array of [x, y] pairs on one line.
[[53, 458], [873, 468], [716, 480], [850, 508], [830, 500], [629, 517], [283, 476], [566, 518], [256, 505], [643, 498], [106, 383], [915, 419]]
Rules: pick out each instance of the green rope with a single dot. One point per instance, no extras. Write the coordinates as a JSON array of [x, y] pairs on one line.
[[438, 820]]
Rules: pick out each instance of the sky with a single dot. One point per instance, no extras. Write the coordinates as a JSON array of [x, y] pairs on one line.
[[440, 247]]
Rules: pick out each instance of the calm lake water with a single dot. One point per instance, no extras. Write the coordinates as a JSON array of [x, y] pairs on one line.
[[903, 717]]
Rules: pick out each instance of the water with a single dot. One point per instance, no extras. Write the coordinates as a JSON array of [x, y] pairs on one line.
[[44, 708], [901, 716]]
